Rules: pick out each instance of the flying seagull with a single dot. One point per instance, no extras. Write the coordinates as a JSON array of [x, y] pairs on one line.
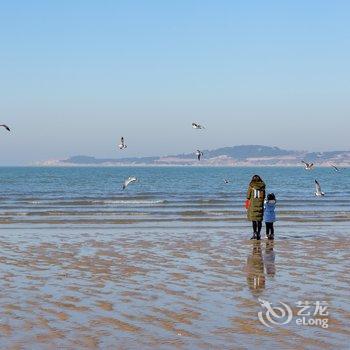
[[318, 192], [6, 127], [226, 181], [199, 154], [197, 126], [122, 144], [128, 181], [334, 167], [308, 166]]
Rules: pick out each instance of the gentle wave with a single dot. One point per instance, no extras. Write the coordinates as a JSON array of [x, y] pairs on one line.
[[93, 202], [160, 222]]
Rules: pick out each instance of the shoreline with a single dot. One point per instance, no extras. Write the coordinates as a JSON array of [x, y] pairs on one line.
[[289, 166]]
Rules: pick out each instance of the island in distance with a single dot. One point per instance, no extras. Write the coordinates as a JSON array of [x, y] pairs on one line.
[[245, 155]]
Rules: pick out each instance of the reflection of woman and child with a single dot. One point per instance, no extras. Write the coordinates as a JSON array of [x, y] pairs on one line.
[[259, 209], [257, 264]]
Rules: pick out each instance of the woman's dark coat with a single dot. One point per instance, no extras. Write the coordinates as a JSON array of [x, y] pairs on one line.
[[256, 195]]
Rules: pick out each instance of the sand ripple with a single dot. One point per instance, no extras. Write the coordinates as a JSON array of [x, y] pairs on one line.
[[168, 289]]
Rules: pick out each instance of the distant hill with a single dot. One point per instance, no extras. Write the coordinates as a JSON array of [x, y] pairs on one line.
[[245, 155], [245, 152]]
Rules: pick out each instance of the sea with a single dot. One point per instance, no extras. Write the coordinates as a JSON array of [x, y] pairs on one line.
[[165, 196]]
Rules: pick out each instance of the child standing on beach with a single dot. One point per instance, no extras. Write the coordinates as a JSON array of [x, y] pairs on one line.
[[270, 215]]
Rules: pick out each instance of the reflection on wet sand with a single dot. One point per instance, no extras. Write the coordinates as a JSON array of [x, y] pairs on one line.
[[260, 265], [269, 258], [162, 289], [255, 269]]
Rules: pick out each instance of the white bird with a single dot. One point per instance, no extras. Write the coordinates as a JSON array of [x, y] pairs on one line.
[[128, 181], [334, 167], [318, 192], [308, 166], [122, 144], [199, 154], [6, 127], [197, 126], [226, 181]]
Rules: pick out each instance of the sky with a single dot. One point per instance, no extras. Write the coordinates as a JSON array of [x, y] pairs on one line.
[[77, 75]]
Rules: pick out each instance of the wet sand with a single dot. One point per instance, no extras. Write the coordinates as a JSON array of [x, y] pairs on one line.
[[169, 288]]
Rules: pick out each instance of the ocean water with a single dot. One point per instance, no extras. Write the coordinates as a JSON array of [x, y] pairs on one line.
[[169, 196], [168, 263]]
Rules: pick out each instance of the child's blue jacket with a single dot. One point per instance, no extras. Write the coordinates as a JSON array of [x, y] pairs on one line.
[[269, 211]]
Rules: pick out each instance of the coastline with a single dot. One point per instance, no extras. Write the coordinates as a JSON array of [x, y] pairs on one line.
[[234, 156], [67, 165]]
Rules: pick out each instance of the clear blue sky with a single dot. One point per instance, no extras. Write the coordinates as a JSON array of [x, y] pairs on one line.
[[76, 75]]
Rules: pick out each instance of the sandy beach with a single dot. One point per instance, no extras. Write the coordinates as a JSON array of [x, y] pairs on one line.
[[168, 289]]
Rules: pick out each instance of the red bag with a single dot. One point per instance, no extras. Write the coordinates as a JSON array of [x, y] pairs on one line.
[[247, 204]]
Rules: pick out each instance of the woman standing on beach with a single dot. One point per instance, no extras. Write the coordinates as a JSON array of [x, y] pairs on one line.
[[255, 204]]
